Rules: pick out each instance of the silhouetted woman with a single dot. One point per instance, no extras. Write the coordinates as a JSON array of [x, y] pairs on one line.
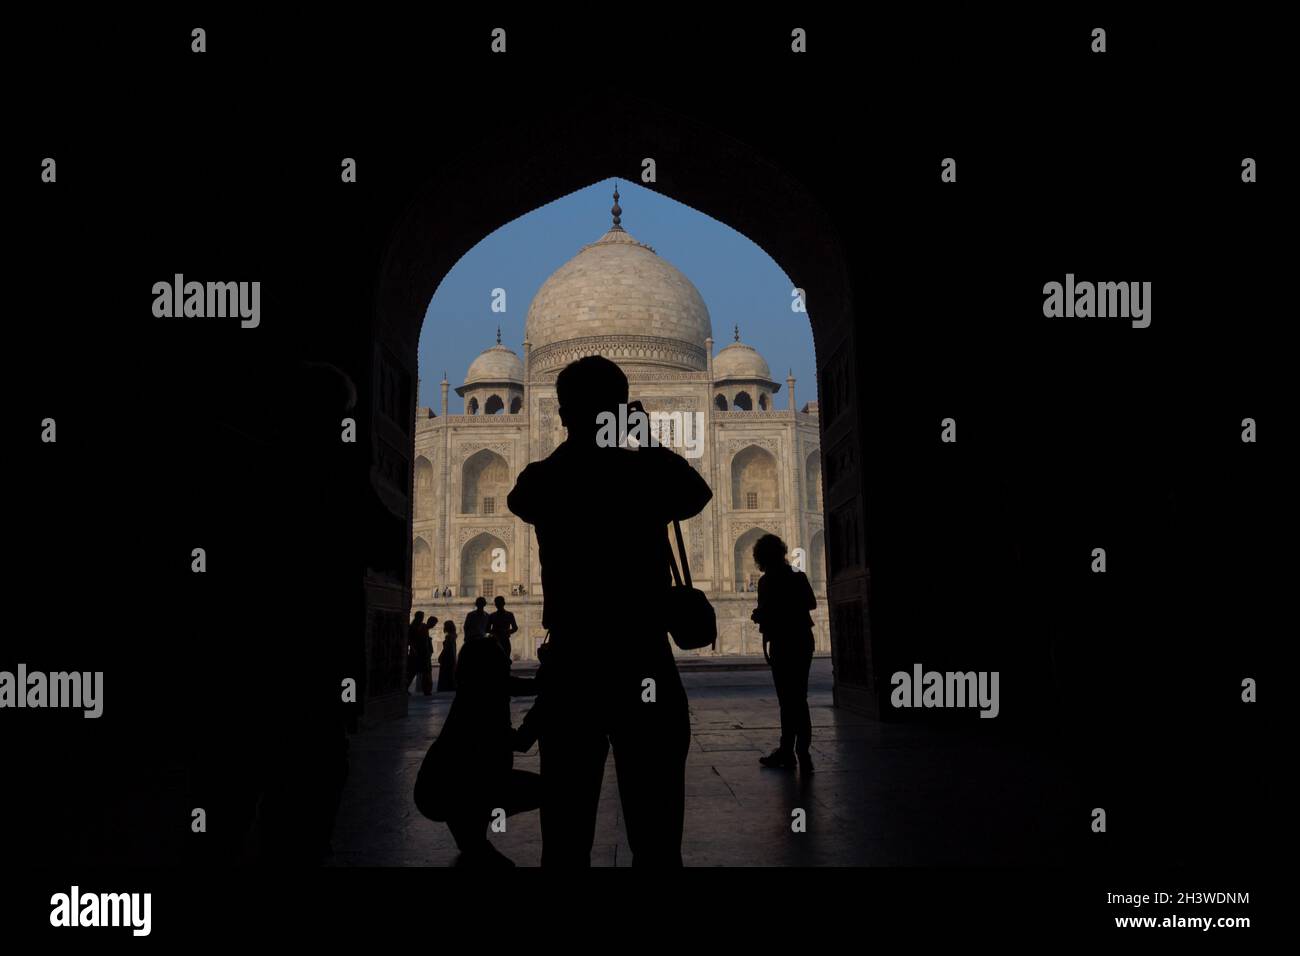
[[785, 599], [447, 658]]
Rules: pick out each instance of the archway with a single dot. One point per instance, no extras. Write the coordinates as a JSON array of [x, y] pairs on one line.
[[485, 482], [817, 561], [813, 480], [494, 405], [421, 567], [743, 402], [484, 567], [601, 135], [745, 569], [755, 481], [424, 486]]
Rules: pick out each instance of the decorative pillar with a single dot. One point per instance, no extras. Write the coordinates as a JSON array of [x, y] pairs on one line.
[[789, 384], [445, 386]]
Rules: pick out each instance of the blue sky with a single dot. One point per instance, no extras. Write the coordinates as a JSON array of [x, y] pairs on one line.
[[739, 282]]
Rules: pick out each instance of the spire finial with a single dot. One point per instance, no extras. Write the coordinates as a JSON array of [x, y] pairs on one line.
[[617, 210], [498, 335], [736, 331]]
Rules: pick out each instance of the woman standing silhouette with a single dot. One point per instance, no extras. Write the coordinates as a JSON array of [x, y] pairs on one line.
[[785, 599]]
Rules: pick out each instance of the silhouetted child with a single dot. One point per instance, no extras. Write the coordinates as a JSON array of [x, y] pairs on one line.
[[785, 599], [468, 774]]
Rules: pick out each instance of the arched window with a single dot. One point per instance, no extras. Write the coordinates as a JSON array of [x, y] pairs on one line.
[[423, 487], [746, 570], [421, 566], [471, 407], [762, 401], [494, 405], [743, 402], [720, 402], [484, 564], [516, 403], [817, 562], [754, 482], [485, 482], [813, 480]]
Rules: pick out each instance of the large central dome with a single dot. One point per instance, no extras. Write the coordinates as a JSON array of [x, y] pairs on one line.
[[619, 299]]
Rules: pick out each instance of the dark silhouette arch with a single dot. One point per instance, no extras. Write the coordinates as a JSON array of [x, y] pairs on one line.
[[599, 136]]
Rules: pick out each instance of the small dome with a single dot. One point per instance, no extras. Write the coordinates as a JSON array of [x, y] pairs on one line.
[[739, 360], [497, 364]]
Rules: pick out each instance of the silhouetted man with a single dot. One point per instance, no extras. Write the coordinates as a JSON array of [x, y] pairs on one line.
[[501, 624], [601, 517], [419, 652], [785, 600], [476, 621]]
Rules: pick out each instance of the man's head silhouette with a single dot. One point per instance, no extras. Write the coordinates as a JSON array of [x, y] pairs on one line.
[[769, 552], [586, 388], [480, 603], [499, 601], [419, 616]]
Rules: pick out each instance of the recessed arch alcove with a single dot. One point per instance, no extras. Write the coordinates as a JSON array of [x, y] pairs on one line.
[[604, 136]]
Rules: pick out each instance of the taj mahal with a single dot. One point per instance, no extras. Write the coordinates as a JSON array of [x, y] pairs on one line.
[[617, 298]]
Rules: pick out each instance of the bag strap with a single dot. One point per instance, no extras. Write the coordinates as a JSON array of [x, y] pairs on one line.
[[672, 559]]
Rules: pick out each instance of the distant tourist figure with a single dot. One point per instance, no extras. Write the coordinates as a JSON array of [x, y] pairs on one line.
[[447, 657], [468, 773], [501, 624], [785, 599], [601, 513], [476, 621], [419, 652]]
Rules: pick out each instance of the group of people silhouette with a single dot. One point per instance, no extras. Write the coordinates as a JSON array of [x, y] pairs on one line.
[[499, 626], [600, 516]]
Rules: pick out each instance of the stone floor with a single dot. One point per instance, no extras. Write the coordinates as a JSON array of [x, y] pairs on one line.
[[883, 794]]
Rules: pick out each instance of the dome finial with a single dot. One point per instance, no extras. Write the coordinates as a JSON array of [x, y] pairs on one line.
[[736, 331], [617, 210], [498, 335]]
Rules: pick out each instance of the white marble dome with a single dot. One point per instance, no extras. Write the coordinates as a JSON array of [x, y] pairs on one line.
[[497, 364], [739, 360], [618, 298]]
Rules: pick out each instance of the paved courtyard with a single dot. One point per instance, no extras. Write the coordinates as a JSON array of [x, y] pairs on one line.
[[883, 794]]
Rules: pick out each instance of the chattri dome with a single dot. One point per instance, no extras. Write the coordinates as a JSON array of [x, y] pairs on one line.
[[496, 364], [740, 361]]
